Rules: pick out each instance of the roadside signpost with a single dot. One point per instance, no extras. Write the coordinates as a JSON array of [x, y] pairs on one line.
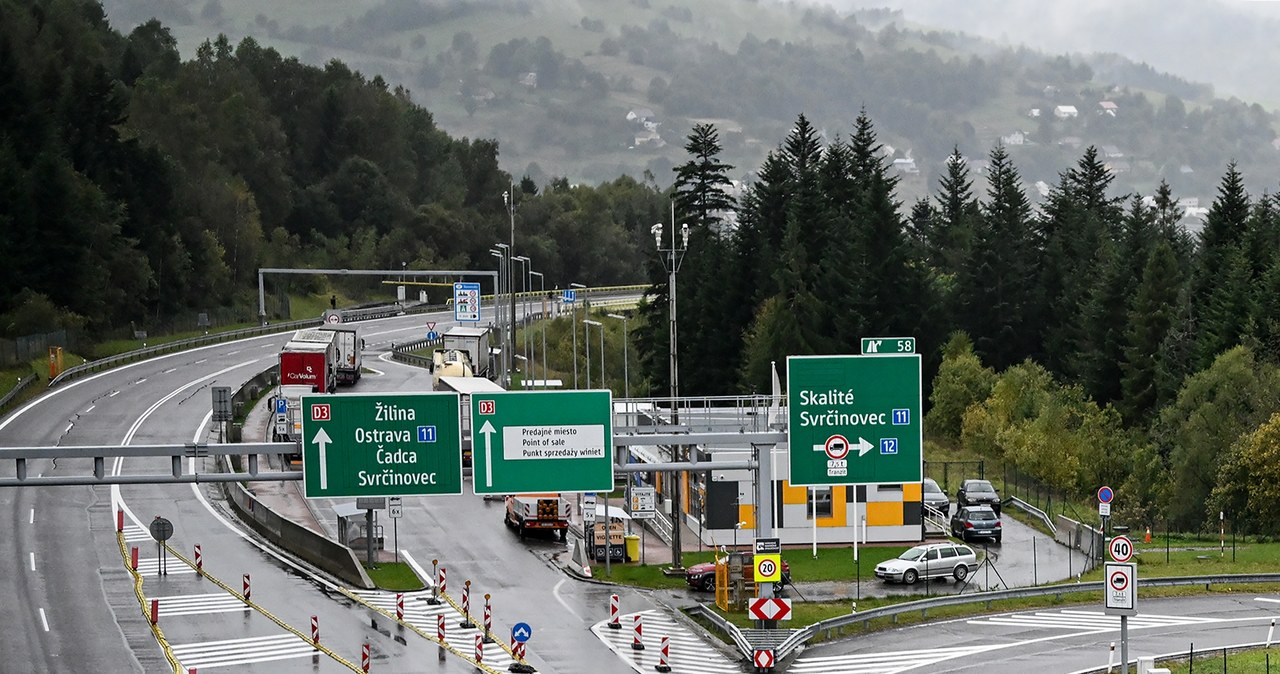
[[1120, 592], [539, 441], [381, 444], [466, 302], [1120, 548], [854, 419]]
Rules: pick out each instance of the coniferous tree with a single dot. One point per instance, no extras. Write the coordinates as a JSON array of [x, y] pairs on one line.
[[1220, 246], [995, 301], [957, 211], [1151, 316]]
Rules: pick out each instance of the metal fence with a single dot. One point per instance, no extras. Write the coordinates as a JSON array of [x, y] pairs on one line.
[[22, 350]]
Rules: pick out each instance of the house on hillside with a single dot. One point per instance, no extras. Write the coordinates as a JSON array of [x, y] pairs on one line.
[[1066, 112], [1073, 142], [1033, 112], [1111, 151], [1107, 108], [648, 139], [641, 115], [1015, 138], [529, 80], [906, 165]]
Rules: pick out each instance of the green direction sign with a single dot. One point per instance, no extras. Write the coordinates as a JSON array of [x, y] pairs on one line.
[[541, 441], [381, 444], [888, 345], [854, 419]]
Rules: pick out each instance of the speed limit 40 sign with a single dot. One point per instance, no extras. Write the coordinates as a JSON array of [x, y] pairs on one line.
[[1120, 549]]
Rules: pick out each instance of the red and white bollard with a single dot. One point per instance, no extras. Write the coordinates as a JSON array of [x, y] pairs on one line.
[[315, 632], [615, 621], [199, 561], [517, 647], [364, 658], [663, 655], [440, 628], [479, 649], [636, 644], [245, 582], [119, 521], [155, 611], [133, 558], [488, 620], [399, 606], [466, 607], [442, 588]]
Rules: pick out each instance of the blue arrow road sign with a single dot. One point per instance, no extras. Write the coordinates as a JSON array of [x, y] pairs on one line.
[[521, 632], [1105, 494], [433, 336]]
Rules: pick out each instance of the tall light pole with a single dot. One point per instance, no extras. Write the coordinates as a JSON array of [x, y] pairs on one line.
[[524, 286], [509, 199], [604, 383], [542, 289], [671, 258], [499, 322], [626, 367], [508, 335], [573, 326], [588, 322]]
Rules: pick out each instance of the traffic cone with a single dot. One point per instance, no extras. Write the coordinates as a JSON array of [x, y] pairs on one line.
[[1147, 538]]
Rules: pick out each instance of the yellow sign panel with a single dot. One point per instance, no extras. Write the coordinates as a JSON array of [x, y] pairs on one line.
[[768, 568]]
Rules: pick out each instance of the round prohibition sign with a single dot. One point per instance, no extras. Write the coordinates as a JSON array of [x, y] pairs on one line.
[[836, 447], [766, 568], [1121, 548], [1119, 581]]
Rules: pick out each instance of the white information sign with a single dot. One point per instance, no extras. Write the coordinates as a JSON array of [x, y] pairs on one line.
[[644, 503], [552, 442], [1120, 592], [589, 509], [1104, 510]]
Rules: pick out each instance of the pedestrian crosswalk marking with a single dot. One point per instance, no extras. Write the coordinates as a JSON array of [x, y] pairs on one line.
[[134, 534], [689, 653], [1087, 620], [150, 566], [420, 614], [229, 652], [198, 604], [882, 663]]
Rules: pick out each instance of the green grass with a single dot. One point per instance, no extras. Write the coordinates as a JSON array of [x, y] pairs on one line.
[[396, 576], [1246, 662]]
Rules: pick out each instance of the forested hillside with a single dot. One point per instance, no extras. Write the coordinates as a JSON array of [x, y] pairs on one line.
[[594, 90]]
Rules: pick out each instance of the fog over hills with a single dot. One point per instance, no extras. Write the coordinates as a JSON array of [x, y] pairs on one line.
[[1227, 43]]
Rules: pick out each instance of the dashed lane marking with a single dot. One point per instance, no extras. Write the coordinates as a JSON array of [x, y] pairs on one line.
[[1087, 621]]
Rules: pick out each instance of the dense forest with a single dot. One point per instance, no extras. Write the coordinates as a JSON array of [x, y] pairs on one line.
[[1086, 341]]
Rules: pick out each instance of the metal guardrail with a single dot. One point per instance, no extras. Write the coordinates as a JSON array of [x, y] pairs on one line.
[[1033, 511], [727, 627], [924, 605], [23, 384], [179, 345]]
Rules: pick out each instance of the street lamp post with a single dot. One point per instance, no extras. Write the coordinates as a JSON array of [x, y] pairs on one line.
[[542, 289], [526, 305], [499, 322], [671, 258], [524, 265], [604, 383], [509, 335], [509, 199], [588, 322], [626, 367], [573, 327]]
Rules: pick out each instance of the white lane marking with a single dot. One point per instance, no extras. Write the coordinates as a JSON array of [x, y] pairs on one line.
[[66, 430], [230, 652], [556, 591], [44, 620], [172, 369], [113, 394], [32, 518], [33, 561], [205, 360], [199, 604], [140, 381], [689, 653], [376, 371], [1269, 599], [91, 407]]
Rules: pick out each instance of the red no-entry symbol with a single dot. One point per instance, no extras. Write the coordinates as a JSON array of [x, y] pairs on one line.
[[1119, 581]]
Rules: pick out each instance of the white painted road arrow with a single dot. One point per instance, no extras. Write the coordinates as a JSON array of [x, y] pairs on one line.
[[322, 441]]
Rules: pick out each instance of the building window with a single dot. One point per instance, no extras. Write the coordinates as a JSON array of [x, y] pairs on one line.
[[819, 502]]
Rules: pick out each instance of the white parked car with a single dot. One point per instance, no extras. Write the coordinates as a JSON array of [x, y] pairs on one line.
[[933, 560]]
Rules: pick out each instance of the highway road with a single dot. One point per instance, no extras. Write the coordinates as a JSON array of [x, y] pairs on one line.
[[73, 603], [1056, 640]]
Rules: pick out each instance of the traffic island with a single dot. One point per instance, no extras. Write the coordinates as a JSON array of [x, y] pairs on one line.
[[395, 577]]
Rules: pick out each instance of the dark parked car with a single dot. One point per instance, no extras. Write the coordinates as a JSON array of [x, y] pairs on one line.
[[976, 522], [703, 576], [978, 492], [934, 497]]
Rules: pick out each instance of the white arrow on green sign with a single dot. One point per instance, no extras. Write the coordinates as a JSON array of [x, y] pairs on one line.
[[542, 441], [381, 445], [839, 404]]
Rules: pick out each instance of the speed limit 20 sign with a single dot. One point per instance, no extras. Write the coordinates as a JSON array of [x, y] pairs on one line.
[[768, 568], [1120, 548]]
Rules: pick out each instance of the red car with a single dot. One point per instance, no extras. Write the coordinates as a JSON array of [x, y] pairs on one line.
[[703, 576]]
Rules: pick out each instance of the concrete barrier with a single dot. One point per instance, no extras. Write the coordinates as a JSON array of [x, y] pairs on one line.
[[1079, 536], [316, 549]]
